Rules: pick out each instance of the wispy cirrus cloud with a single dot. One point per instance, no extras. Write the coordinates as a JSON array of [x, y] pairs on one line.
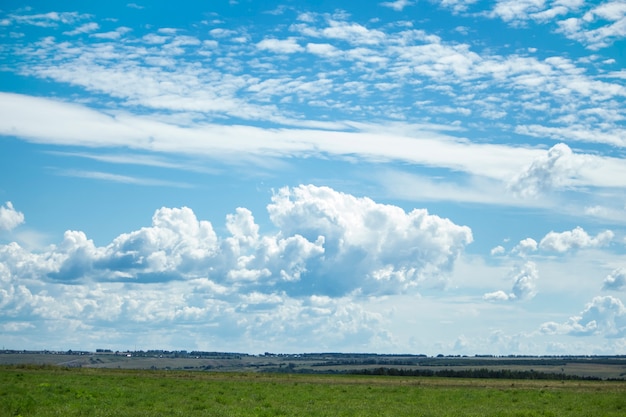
[[417, 145], [125, 179]]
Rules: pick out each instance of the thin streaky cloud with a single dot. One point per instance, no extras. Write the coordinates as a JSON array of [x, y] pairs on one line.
[[135, 159], [124, 179]]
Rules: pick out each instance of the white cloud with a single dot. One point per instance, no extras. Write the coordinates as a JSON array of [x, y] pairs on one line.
[[124, 179], [524, 279], [594, 25], [324, 49], [353, 33], [599, 27], [517, 10], [154, 39], [9, 217], [525, 246], [524, 282], [328, 243], [222, 33], [285, 46], [115, 34], [405, 143], [457, 6], [167, 78], [50, 19], [397, 5], [292, 287], [498, 250], [86, 28], [616, 280], [574, 239], [42, 120], [392, 249], [554, 170], [577, 132], [605, 316], [496, 296]]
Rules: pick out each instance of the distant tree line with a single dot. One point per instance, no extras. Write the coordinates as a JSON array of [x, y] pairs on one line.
[[472, 373]]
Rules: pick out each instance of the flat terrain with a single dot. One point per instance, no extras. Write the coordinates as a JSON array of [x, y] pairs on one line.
[[53, 391], [594, 367]]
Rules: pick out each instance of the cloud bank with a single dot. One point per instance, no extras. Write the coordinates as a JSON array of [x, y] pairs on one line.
[[328, 244], [328, 247]]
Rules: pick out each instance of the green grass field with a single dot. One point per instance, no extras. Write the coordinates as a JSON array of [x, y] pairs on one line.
[[51, 391]]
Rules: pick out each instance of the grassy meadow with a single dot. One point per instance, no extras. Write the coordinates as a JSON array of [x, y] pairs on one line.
[[55, 391]]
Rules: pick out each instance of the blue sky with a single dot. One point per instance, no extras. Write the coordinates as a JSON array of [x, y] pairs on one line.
[[443, 176]]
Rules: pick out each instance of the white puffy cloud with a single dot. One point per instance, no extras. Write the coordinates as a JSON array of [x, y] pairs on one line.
[[599, 27], [551, 171], [605, 316], [517, 10], [525, 246], [496, 296], [328, 243], [498, 250], [179, 271], [177, 243], [616, 280], [524, 279], [574, 239], [9, 217], [368, 245], [286, 46]]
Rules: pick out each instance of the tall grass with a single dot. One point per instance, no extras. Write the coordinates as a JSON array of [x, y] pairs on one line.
[[49, 391]]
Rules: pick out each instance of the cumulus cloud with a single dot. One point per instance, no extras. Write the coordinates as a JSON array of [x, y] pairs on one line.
[[296, 283], [525, 246], [327, 243], [574, 239], [498, 250], [605, 316], [374, 245], [524, 279], [551, 171], [9, 217], [616, 280]]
